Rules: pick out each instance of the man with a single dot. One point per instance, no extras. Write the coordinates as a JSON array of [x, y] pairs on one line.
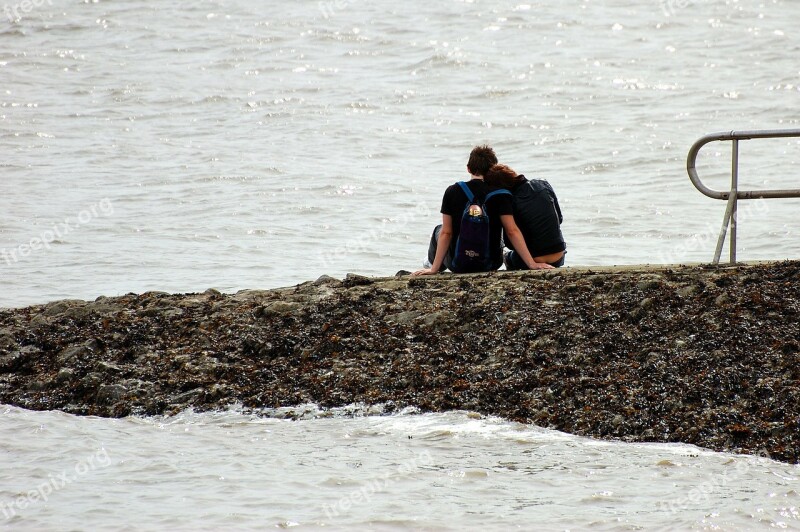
[[499, 208]]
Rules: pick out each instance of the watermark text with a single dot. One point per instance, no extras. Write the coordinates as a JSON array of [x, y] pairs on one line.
[[15, 12], [364, 494], [59, 230], [55, 483]]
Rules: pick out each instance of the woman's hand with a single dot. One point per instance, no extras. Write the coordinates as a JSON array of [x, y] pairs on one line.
[[541, 266], [426, 271]]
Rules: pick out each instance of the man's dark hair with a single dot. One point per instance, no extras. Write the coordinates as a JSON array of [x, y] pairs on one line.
[[481, 159]]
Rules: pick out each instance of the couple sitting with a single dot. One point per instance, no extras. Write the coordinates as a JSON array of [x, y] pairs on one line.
[[496, 205]]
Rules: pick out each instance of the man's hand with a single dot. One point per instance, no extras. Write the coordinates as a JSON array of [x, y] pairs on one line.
[[426, 271]]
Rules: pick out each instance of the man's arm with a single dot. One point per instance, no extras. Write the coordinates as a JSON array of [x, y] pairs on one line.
[[442, 245], [515, 236]]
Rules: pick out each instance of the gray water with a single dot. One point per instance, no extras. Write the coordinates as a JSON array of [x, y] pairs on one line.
[[261, 144], [433, 471], [231, 144]]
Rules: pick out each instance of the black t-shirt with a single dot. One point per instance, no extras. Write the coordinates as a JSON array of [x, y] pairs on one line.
[[454, 202]]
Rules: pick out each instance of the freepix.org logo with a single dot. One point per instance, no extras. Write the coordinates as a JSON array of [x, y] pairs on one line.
[[15, 12], [59, 230], [54, 483], [671, 7]]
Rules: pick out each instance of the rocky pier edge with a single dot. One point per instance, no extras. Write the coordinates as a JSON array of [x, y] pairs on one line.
[[697, 354]]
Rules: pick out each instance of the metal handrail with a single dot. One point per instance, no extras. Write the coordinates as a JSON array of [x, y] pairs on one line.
[[734, 194]]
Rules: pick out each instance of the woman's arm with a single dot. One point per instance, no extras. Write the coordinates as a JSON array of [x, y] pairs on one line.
[[515, 235], [442, 245]]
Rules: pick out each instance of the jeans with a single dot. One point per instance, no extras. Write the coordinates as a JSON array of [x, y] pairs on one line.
[[516, 263], [448, 258]]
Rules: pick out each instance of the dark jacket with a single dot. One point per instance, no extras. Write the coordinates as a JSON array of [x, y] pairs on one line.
[[538, 216]]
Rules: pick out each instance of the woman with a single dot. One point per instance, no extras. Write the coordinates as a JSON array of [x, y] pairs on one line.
[[537, 214]]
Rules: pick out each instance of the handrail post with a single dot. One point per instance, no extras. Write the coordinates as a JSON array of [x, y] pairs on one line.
[[724, 230], [734, 195]]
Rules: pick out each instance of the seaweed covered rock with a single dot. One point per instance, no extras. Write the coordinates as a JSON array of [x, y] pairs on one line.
[[703, 355]]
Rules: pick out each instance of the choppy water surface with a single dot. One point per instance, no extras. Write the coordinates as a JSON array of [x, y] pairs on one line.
[[234, 144], [259, 144], [439, 471]]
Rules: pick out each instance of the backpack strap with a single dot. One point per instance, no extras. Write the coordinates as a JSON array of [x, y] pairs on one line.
[[497, 192], [467, 191]]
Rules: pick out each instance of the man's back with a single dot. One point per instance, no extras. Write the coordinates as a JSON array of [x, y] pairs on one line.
[[455, 200]]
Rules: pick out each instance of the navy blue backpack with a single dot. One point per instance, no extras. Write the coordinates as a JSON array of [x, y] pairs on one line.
[[473, 253]]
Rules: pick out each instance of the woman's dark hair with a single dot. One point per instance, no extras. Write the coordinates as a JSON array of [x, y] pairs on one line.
[[481, 159], [501, 176]]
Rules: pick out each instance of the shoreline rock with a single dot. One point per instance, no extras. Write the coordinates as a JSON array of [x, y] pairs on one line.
[[702, 355]]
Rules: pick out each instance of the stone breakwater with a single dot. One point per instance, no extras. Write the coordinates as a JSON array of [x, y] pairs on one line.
[[702, 355]]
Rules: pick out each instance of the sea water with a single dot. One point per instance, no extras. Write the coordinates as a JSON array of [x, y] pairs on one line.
[[240, 144], [435, 472]]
